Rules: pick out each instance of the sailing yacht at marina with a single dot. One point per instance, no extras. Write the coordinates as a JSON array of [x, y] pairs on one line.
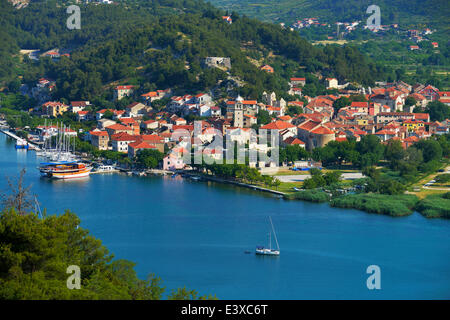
[[64, 149], [260, 250]]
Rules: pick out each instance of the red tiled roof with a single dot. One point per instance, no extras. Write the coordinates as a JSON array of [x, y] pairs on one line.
[[140, 145], [128, 120], [421, 116], [152, 138], [322, 130], [124, 87], [293, 141], [357, 104], [123, 136], [308, 125], [278, 125], [118, 126], [98, 133], [150, 94]]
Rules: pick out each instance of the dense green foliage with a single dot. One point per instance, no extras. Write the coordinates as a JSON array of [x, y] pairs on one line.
[[366, 152], [309, 195], [319, 179], [435, 206], [293, 153], [393, 11], [149, 158], [388, 47], [142, 44], [443, 178], [239, 172], [400, 205], [35, 253], [438, 111]]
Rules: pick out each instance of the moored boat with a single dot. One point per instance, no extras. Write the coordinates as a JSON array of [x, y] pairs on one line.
[[260, 250], [64, 170], [104, 169], [21, 144]]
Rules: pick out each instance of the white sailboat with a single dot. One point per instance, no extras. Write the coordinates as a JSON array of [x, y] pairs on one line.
[[269, 251]]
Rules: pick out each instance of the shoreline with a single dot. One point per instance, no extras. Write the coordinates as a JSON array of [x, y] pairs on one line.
[[286, 196], [240, 184]]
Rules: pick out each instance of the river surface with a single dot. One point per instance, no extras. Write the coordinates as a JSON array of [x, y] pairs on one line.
[[195, 234]]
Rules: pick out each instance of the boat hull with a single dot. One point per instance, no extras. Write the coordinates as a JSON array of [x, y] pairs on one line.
[[71, 175], [64, 170], [74, 175], [267, 252]]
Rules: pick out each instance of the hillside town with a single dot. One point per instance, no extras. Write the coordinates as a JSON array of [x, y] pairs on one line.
[[384, 111]]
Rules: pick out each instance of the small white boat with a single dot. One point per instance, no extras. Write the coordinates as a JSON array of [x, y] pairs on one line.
[[105, 168], [21, 144], [260, 250]]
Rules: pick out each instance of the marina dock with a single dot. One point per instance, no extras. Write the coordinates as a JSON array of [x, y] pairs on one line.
[[32, 146]]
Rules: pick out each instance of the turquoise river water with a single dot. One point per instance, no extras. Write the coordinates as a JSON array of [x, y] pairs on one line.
[[195, 234]]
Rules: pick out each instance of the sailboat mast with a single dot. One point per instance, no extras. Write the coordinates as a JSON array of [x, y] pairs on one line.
[[270, 241], [273, 229]]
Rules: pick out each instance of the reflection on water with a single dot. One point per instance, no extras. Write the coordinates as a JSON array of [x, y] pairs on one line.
[[77, 181]]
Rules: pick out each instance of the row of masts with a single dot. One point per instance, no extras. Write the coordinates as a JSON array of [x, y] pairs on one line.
[[63, 147]]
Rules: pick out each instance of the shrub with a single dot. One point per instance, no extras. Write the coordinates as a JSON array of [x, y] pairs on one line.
[[435, 206], [400, 205], [310, 195]]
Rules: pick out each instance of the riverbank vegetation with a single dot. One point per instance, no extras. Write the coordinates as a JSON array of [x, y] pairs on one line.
[[309, 195], [399, 205], [36, 251], [435, 206], [239, 173]]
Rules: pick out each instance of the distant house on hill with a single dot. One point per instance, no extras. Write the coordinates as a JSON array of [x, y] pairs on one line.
[[331, 83], [295, 82], [122, 91]]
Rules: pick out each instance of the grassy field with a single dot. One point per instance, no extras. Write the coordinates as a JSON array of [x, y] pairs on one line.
[[287, 187]]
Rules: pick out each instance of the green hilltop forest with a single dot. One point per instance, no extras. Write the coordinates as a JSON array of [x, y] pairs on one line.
[[389, 48], [161, 44], [433, 13]]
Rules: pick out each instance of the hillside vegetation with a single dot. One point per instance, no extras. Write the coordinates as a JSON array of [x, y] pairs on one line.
[[141, 43], [410, 12]]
